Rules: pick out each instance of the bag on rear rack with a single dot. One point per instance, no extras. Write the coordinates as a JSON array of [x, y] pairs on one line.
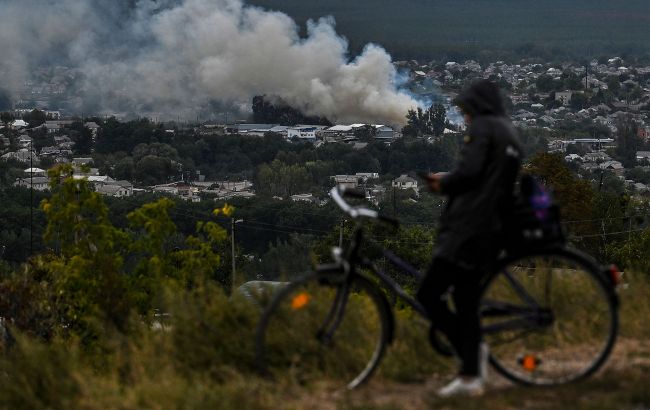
[[535, 218]]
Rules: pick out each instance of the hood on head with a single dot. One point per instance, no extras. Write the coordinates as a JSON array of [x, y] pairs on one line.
[[481, 98]]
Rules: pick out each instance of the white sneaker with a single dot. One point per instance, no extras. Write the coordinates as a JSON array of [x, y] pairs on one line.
[[460, 386], [483, 361]]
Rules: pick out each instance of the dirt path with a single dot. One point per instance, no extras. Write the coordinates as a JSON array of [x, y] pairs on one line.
[[623, 383]]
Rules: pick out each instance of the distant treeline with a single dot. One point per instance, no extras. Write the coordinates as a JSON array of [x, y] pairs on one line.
[[552, 30]]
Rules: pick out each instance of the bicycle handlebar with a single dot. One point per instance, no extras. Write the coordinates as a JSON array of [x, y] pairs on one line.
[[337, 194]]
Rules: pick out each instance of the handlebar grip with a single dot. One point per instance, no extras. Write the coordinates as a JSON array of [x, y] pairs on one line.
[[389, 220], [354, 193]]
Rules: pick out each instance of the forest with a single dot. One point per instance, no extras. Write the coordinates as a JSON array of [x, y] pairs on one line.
[[451, 30]]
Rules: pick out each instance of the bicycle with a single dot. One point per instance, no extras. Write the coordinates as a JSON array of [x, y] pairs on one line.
[[549, 314]]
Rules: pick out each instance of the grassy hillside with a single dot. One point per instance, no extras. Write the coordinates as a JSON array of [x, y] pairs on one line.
[[432, 28], [201, 357]]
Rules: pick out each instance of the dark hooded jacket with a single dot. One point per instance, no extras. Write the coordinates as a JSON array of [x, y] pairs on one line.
[[480, 188]]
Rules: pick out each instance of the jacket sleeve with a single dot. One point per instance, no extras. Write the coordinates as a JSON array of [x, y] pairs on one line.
[[473, 155]]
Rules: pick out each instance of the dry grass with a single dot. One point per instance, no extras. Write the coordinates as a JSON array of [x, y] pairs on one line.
[[203, 359]]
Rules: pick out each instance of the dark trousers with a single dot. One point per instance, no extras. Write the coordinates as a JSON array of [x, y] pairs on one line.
[[461, 327]]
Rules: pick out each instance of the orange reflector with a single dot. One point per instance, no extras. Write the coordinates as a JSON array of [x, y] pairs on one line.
[[529, 362], [299, 301]]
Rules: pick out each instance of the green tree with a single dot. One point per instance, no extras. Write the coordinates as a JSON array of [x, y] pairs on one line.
[[578, 101], [280, 179], [6, 118], [422, 123], [613, 84], [88, 261], [100, 274], [151, 170], [628, 142], [545, 83], [365, 133], [124, 169], [82, 137], [35, 118], [573, 194]]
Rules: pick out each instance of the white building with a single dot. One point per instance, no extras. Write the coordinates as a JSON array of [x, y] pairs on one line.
[[306, 133], [93, 127], [23, 155], [405, 182], [117, 189], [303, 198], [348, 181], [564, 97], [643, 156], [367, 175], [37, 183], [18, 124]]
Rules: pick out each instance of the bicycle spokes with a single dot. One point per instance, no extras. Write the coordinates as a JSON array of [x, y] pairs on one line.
[[548, 319]]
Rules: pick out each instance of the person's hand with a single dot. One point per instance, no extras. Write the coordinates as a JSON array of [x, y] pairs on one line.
[[433, 182]]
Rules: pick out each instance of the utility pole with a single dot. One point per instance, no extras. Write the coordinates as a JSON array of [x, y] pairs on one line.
[[232, 245], [31, 198]]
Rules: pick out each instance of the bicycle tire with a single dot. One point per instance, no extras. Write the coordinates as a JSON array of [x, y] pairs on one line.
[[584, 318], [344, 356]]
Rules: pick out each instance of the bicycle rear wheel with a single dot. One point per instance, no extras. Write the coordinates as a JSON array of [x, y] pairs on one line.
[[320, 328], [549, 318]]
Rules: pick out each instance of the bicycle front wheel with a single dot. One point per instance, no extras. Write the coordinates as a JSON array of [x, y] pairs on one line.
[[549, 318], [318, 328]]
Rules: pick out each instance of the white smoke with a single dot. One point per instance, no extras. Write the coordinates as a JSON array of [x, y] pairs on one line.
[[167, 56]]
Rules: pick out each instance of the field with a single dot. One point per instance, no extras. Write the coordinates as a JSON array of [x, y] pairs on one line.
[[450, 28], [201, 357]]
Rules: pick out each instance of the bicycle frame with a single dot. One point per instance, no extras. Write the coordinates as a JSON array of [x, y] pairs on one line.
[[510, 309], [528, 316]]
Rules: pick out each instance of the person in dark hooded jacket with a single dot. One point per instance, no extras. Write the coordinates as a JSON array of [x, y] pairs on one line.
[[479, 192]]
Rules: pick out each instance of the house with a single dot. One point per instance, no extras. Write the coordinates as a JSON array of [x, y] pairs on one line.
[[246, 128], [365, 176], [573, 157], [643, 156], [35, 172], [348, 181], [50, 151], [79, 161], [339, 130], [597, 156], [18, 124], [22, 155], [114, 189], [303, 198], [61, 139], [564, 97], [405, 182], [93, 127], [94, 178], [234, 186], [384, 132], [640, 188], [52, 127], [305, 133], [614, 166], [24, 141], [37, 183], [165, 189]]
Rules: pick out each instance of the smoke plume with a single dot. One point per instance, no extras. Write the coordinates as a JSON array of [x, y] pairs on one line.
[[179, 55]]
